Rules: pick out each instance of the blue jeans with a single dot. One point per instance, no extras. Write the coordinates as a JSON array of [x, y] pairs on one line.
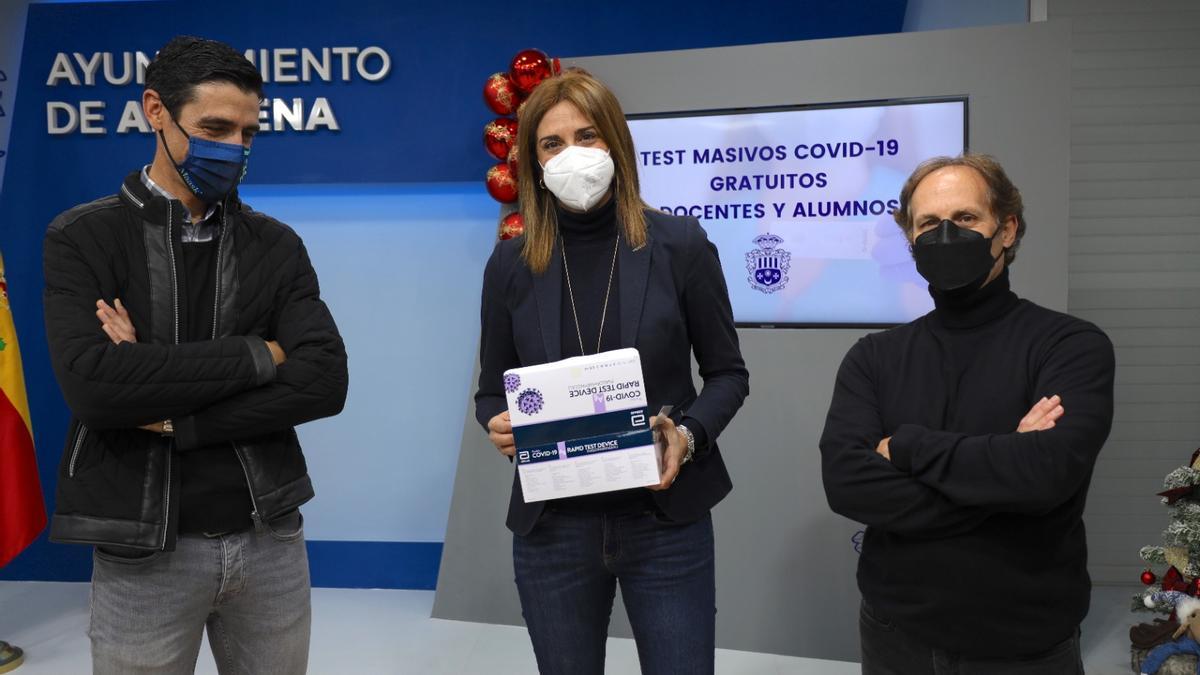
[[567, 570], [250, 589]]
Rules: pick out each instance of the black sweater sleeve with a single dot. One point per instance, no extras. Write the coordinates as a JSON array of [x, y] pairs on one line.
[[109, 386], [310, 384], [1024, 472], [862, 485]]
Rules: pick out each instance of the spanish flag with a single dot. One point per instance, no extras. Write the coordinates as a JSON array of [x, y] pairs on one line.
[[22, 512]]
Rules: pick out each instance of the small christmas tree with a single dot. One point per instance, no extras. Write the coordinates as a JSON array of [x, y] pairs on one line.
[[1180, 554]]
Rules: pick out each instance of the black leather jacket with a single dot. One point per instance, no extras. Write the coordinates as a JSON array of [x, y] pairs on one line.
[[115, 481]]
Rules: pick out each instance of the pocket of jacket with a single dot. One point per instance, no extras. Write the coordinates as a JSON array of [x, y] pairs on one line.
[[81, 432]]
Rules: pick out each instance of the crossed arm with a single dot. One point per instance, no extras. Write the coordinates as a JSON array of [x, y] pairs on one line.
[[116, 323], [225, 389], [933, 483], [1041, 417]]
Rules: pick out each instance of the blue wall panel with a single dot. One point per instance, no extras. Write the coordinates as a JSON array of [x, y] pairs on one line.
[[399, 257]]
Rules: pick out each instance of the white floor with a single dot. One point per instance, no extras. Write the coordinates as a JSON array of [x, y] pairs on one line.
[[383, 631]]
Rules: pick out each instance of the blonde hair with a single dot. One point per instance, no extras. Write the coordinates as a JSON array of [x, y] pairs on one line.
[[598, 104]]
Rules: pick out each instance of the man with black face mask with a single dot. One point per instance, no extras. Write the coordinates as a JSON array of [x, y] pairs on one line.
[[189, 337], [965, 441]]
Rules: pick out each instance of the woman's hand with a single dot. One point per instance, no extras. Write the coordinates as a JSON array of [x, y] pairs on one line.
[[674, 447], [500, 434]]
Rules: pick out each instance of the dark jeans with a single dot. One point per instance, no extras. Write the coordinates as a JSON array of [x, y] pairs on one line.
[[567, 570], [888, 650]]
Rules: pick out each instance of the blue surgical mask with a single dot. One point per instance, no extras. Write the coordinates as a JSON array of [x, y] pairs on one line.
[[211, 169]]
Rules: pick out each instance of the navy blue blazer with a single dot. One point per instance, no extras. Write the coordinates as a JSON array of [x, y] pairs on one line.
[[673, 301]]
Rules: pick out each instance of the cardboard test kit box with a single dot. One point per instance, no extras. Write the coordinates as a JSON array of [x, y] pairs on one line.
[[581, 426]]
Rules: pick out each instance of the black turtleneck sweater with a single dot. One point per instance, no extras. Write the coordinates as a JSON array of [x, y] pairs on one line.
[[589, 240], [975, 540]]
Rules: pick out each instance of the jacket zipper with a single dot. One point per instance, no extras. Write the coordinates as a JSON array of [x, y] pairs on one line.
[[174, 275], [175, 306], [133, 199], [80, 433], [254, 514], [167, 496], [220, 254]]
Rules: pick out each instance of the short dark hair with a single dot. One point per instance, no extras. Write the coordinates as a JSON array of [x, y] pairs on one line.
[[1003, 197], [187, 61]]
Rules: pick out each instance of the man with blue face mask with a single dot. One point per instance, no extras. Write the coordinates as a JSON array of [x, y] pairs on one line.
[[188, 336], [965, 441]]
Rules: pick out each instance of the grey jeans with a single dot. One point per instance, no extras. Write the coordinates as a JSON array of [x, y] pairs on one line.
[[251, 589]]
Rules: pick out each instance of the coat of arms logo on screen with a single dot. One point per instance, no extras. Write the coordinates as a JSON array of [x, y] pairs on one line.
[[768, 264]]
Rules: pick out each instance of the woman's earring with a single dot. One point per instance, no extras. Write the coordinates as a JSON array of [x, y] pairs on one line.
[[541, 183]]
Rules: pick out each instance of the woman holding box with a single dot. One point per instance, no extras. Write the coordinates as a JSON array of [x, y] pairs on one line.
[[597, 270]]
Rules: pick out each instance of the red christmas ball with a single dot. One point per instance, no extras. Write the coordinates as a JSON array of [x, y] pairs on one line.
[[556, 66], [513, 156], [501, 185], [1148, 577], [512, 225], [1193, 587], [500, 94], [499, 136], [529, 67]]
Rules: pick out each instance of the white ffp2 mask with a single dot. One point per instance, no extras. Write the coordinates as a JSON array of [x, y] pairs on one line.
[[579, 176]]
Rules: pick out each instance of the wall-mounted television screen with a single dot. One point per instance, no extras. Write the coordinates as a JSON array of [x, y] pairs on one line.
[[798, 201]]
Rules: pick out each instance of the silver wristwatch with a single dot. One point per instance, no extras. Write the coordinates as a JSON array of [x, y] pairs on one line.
[[691, 443]]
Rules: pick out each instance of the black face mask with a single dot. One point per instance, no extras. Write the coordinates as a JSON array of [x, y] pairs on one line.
[[953, 258]]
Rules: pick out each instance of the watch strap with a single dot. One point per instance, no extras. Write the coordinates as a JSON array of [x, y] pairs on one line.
[[691, 443]]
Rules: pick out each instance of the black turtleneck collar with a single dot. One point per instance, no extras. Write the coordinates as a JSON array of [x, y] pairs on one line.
[[598, 224], [983, 306]]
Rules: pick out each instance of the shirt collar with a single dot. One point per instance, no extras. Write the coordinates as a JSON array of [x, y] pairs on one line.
[[198, 232]]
